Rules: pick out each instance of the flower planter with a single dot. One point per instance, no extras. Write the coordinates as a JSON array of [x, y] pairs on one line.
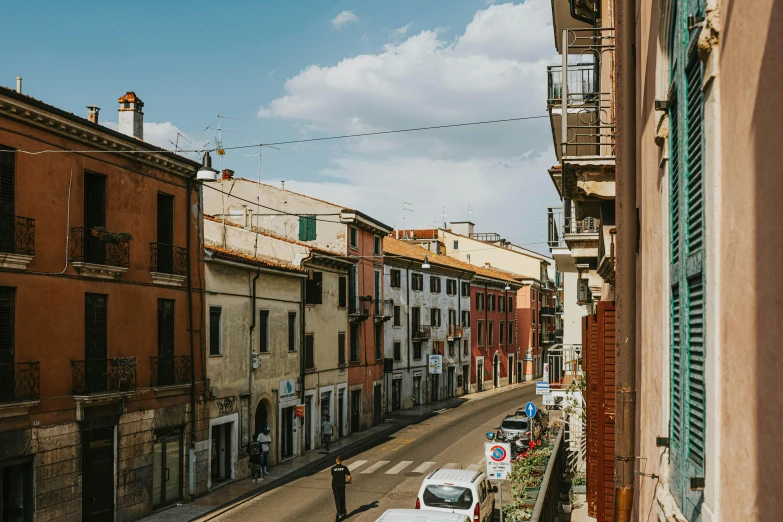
[[581, 489], [566, 507], [532, 493]]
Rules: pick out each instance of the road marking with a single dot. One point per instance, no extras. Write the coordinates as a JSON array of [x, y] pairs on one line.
[[474, 467], [351, 466], [399, 467], [481, 461], [375, 467], [452, 465], [424, 467]]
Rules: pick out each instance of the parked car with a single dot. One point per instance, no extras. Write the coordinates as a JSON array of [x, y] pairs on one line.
[[416, 515], [515, 429], [464, 492]]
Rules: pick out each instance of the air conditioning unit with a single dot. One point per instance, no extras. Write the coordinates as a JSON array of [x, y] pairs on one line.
[[583, 294]]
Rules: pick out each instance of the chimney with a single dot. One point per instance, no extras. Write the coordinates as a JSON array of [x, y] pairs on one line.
[[19, 84], [130, 117], [282, 185], [92, 113]]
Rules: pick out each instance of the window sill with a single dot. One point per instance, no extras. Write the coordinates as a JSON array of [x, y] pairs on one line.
[[354, 363], [216, 355]]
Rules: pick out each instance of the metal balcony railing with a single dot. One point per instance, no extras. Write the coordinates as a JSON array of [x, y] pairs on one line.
[[99, 247], [384, 310], [588, 116], [545, 509], [17, 235], [455, 331], [20, 381], [548, 310], [487, 237], [103, 375], [167, 259], [560, 225], [421, 332], [170, 371]]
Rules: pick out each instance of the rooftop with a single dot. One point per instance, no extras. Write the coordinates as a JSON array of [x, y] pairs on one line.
[[233, 255], [454, 475]]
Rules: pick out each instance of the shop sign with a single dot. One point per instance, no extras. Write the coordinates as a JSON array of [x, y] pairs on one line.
[[288, 389]]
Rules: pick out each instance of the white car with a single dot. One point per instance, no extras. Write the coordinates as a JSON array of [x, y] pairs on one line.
[[412, 515], [458, 491]]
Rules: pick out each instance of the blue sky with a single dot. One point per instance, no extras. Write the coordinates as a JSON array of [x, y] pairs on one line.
[[289, 70]]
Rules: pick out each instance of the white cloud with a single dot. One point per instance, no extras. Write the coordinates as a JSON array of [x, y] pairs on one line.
[[401, 31], [495, 69], [163, 135], [272, 72], [343, 19]]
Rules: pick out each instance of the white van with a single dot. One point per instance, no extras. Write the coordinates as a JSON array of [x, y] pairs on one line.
[[413, 515], [458, 491]]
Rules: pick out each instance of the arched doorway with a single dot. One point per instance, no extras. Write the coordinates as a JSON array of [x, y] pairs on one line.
[[496, 364], [262, 421]]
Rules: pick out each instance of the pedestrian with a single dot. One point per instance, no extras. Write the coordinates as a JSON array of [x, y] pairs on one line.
[[254, 450], [326, 432], [265, 440], [341, 476]]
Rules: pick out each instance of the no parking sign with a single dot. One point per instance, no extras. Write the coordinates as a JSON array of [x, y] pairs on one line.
[[498, 458]]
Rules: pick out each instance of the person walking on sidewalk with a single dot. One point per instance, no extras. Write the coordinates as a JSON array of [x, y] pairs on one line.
[[341, 476], [265, 441], [326, 432], [254, 450]]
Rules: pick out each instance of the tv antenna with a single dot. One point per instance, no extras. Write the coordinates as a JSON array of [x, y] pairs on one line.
[[470, 210], [218, 135], [406, 207], [176, 143]]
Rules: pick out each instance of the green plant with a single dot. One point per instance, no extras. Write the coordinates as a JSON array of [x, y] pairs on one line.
[[118, 237], [580, 479]]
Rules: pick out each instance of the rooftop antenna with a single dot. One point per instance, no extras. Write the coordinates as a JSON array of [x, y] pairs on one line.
[[176, 144], [218, 138], [405, 209], [470, 210]]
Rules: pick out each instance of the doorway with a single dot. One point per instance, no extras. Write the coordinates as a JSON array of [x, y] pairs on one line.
[[98, 474], [480, 376], [167, 468], [519, 371], [496, 371], [16, 491], [165, 245], [511, 369], [341, 412], [451, 381], [465, 379], [377, 409], [356, 406], [396, 393], [262, 420], [287, 421], [416, 390], [220, 454], [308, 422], [435, 384]]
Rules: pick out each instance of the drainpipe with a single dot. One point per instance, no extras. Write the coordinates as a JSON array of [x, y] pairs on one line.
[[303, 285], [486, 336], [188, 254], [408, 314], [250, 355], [627, 248]]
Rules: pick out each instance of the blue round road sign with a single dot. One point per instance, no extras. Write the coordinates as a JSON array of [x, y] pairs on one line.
[[498, 454], [530, 409]]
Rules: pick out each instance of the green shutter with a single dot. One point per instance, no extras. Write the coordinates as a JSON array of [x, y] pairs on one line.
[[303, 225], [695, 137]]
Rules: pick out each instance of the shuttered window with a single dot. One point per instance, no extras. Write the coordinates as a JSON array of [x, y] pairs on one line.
[[394, 278], [291, 331], [342, 296], [397, 315], [214, 330], [307, 228], [95, 327], [309, 352], [341, 348], [263, 331], [314, 289], [397, 351], [7, 198], [165, 328], [7, 325], [687, 236], [354, 342]]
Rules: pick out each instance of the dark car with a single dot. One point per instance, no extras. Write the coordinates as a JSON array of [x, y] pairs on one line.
[[515, 429]]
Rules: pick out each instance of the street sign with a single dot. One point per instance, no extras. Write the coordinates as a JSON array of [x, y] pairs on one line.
[[542, 388], [546, 372], [549, 399], [436, 364], [498, 457], [300, 411], [530, 409]]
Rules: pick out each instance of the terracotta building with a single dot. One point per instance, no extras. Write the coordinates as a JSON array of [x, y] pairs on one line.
[[101, 361]]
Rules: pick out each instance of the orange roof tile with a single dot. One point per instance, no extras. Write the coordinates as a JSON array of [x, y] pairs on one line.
[[233, 255]]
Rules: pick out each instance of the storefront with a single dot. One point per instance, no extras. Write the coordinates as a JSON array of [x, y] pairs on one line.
[[287, 427], [223, 440], [16, 486]]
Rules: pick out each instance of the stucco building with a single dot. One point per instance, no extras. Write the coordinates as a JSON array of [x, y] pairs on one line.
[[101, 355]]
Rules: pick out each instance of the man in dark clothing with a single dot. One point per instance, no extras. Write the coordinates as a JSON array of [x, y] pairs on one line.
[[341, 476], [254, 450]]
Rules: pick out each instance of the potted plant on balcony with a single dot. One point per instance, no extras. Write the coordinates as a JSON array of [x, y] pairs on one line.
[[97, 231]]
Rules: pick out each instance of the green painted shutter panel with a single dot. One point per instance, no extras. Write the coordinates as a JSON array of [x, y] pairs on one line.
[[695, 158], [676, 368], [696, 360], [307, 228], [674, 176], [302, 228]]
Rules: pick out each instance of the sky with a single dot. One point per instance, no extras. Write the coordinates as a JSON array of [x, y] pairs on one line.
[[305, 69]]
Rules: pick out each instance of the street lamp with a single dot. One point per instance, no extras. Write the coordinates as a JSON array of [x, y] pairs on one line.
[[508, 287], [206, 173], [426, 264]]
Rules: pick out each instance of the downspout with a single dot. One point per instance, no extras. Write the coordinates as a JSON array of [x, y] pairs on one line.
[[189, 273], [250, 355], [627, 249], [486, 336], [303, 285], [408, 314]]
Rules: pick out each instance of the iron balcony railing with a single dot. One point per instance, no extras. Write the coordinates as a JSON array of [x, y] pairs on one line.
[[455, 331], [421, 332], [587, 113], [384, 310], [103, 375], [548, 310], [170, 371], [561, 225], [545, 509], [20, 381], [99, 247], [17, 235], [486, 237], [167, 259]]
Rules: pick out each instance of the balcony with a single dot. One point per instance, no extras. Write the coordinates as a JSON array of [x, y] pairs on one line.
[[384, 310], [168, 264], [99, 254], [455, 332], [487, 237], [358, 308], [565, 231], [572, 14], [421, 332], [170, 371], [96, 376], [17, 241], [20, 382], [548, 311]]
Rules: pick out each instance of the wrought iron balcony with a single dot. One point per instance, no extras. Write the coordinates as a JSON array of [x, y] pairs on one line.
[[421, 332], [548, 310], [358, 308], [20, 381], [581, 87], [17, 235], [561, 225], [455, 331], [98, 247], [167, 259], [384, 310], [103, 376], [486, 237], [170, 371]]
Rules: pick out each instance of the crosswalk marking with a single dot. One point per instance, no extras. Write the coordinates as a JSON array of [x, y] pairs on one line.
[[399, 467], [474, 467], [350, 465], [452, 465], [378, 465], [424, 467]]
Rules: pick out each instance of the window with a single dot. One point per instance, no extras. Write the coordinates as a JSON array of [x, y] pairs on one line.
[[451, 348], [314, 289], [501, 304], [164, 251], [214, 330], [510, 332], [435, 317], [263, 331], [417, 349], [165, 342], [465, 347], [688, 295], [307, 228], [510, 303], [377, 246], [7, 198], [94, 217], [397, 316], [452, 317], [437, 347], [397, 351], [291, 331], [480, 301], [451, 286], [465, 289], [490, 302], [417, 282], [377, 288], [354, 342], [353, 285], [7, 327], [490, 333], [342, 297], [466, 318], [435, 284], [354, 237], [309, 352], [379, 341], [341, 348], [480, 336], [501, 331], [456, 245], [394, 278]]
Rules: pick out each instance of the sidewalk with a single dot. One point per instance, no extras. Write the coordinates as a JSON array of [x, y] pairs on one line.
[[225, 497]]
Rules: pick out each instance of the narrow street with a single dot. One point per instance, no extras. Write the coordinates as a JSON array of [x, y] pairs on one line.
[[389, 475]]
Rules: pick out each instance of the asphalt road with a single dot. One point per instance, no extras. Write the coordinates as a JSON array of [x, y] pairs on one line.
[[389, 474]]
